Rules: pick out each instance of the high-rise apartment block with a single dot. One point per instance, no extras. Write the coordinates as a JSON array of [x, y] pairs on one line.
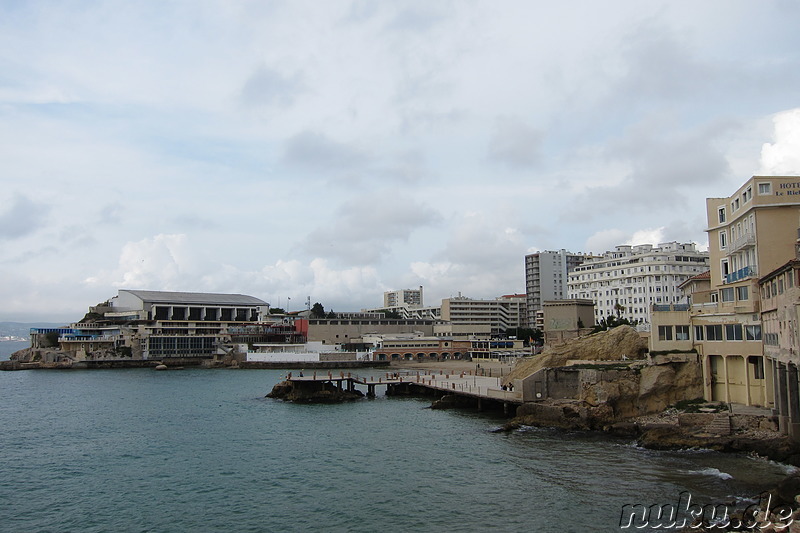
[[403, 297], [546, 278], [627, 281]]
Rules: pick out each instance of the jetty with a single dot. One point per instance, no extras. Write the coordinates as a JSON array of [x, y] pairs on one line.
[[464, 388]]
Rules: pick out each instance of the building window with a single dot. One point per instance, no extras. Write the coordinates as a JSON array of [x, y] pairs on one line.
[[721, 215], [765, 188], [733, 332], [727, 294], [665, 333], [758, 366], [747, 195], [714, 332], [681, 333], [752, 332], [723, 239], [698, 333], [742, 293]]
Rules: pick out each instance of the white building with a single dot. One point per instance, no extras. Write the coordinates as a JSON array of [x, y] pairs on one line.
[[546, 278], [630, 279], [409, 297]]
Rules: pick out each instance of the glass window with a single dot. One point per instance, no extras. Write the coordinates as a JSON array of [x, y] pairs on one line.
[[733, 332], [721, 215], [698, 333], [714, 332], [723, 239], [681, 333], [742, 293], [727, 294], [752, 332], [665, 333], [764, 188]]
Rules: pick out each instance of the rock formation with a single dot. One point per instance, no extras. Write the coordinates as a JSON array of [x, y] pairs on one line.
[[619, 343], [312, 392]]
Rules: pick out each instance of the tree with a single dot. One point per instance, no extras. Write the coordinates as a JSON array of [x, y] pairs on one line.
[[331, 314], [390, 314], [317, 310], [612, 321], [526, 334], [277, 311]]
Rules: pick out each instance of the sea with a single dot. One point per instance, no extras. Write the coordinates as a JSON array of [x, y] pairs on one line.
[[194, 450]]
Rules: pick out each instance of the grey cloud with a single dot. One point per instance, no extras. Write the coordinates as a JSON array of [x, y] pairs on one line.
[[111, 214], [316, 151], [515, 144], [22, 217], [366, 228], [409, 167], [659, 65], [415, 19], [661, 166], [268, 87]]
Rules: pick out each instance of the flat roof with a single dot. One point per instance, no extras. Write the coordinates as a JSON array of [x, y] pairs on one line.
[[202, 298]]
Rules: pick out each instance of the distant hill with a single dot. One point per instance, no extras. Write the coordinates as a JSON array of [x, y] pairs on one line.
[[22, 329]]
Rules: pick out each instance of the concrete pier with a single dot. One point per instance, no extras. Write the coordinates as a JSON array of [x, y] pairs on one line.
[[480, 390]]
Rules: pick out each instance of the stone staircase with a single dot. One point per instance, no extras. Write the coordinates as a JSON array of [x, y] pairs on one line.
[[720, 425]]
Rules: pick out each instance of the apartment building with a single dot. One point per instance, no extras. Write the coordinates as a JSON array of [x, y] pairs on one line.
[[546, 279], [403, 297], [500, 314], [629, 280]]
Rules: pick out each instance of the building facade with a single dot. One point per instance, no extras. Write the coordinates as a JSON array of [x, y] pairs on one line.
[[546, 279], [780, 316], [500, 314], [408, 297], [752, 237], [629, 280]]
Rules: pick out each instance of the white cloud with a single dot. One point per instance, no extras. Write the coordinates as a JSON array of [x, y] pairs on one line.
[[782, 156]]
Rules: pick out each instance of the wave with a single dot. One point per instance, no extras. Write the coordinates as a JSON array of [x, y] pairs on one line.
[[711, 471]]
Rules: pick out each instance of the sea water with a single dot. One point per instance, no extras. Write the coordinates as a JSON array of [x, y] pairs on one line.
[[204, 450]]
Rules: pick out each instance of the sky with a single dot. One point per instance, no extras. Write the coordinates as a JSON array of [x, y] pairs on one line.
[[336, 149]]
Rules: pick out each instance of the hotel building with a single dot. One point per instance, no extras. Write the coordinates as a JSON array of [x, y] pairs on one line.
[[745, 328]]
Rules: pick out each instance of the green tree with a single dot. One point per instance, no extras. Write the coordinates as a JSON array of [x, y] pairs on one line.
[[52, 338], [317, 310], [526, 334], [390, 314], [612, 321], [277, 311]]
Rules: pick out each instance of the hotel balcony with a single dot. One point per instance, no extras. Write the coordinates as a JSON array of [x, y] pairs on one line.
[[744, 241], [742, 273]]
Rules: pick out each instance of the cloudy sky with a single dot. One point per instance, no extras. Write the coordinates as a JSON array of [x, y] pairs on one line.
[[337, 149]]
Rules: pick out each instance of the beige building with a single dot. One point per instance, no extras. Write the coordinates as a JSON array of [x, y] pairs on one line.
[[567, 319], [338, 331], [500, 314], [780, 315], [750, 233]]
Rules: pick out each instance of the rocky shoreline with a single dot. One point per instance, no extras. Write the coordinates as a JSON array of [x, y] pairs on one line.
[[668, 431]]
